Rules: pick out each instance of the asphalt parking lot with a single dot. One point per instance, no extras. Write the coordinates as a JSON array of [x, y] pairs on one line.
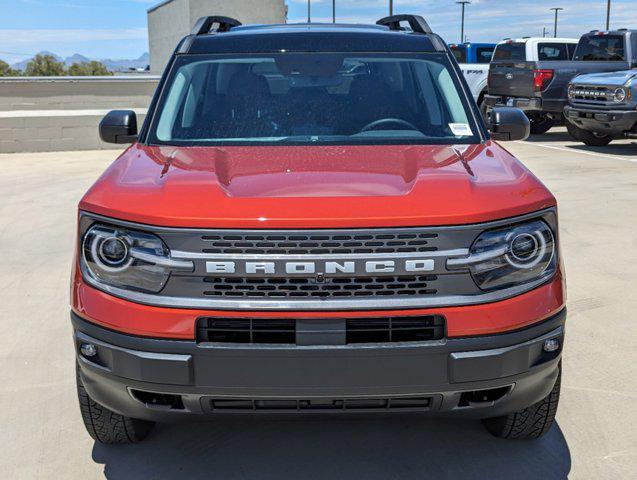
[[41, 432]]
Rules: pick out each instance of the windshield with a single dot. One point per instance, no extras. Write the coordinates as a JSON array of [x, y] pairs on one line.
[[484, 54], [605, 48], [312, 98]]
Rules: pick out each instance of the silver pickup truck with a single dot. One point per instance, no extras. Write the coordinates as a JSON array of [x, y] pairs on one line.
[[602, 106]]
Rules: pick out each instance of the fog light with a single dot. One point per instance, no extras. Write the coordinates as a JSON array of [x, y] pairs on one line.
[[88, 349], [551, 345]]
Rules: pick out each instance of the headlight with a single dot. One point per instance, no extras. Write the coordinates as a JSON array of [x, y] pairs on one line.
[[510, 256], [619, 95], [571, 91], [128, 259]]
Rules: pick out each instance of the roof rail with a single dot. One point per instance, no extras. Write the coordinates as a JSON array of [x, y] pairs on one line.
[[205, 25], [416, 23]]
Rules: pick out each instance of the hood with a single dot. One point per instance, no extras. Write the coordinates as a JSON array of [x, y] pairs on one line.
[[315, 186], [615, 79]]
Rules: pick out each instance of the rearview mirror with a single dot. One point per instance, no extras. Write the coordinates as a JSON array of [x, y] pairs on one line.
[[509, 123], [119, 126]]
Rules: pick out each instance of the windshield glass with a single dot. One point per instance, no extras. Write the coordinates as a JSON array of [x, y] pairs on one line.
[[484, 54], [510, 51], [312, 98], [605, 48]]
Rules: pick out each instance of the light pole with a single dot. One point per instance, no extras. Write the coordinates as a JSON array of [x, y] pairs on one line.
[[309, 11], [608, 15], [543, 32], [463, 3], [391, 7], [557, 9], [333, 11]]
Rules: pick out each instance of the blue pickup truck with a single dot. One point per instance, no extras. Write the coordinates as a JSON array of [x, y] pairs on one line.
[[602, 107], [469, 52], [474, 61]]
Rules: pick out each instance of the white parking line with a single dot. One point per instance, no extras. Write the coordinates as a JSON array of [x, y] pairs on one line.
[[570, 150]]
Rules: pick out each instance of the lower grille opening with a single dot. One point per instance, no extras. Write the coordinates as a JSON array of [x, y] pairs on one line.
[[395, 329], [159, 400], [351, 330], [322, 404], [483, 397]]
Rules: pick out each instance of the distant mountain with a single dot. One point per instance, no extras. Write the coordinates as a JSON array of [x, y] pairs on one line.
[[75, 58], [23, 64], [117, 65]]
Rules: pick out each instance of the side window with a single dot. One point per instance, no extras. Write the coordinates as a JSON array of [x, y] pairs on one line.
[[571, 50], [484, 54], [633, 43], [552, 51]]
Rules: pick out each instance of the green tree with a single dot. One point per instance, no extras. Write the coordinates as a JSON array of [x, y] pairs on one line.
[[91, 68], [45, 66], [7, 71]]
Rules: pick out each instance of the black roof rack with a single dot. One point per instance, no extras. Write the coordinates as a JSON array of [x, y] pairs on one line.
[[416, 23], [205, 25]]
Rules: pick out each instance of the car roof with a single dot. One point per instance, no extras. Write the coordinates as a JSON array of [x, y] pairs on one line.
[[539, 39], [313, 37]]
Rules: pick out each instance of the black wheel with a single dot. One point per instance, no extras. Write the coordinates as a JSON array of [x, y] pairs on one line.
[[530, 423], [540, 123], [106, 426], [594, 139], [573, 130]]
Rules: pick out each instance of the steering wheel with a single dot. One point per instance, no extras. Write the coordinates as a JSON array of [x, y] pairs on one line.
[[397, 121]]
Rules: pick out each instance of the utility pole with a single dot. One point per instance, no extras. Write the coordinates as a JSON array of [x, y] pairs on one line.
[[608, 15], [309, 11], [333, 11], [463, 3], [391, 7], [543, 32], [557, 9]]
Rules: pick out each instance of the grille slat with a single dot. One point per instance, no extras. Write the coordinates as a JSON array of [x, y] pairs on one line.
[[294, 244], [355, 330], [320, 404], [310, 287]]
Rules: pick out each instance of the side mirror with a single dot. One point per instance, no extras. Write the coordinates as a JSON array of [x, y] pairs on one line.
[[119, 126], [509, 123]]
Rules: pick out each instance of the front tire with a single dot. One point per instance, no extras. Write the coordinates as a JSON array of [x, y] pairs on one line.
[[592, 139], [529, 423], [540, 123], [106, 426]]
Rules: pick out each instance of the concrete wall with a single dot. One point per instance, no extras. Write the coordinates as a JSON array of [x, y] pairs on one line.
[[62, 113], [170, 21]]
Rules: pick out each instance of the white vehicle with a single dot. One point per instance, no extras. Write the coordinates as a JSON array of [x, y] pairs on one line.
[[535, 49], [474, 59]]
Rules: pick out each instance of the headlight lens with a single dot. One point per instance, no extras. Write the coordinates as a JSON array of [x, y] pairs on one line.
[[619, 95], [511, 256], [571, 91], [107, 258]]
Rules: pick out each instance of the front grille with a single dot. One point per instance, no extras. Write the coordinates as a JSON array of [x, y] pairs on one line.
[[283, 287], [318, 405], [595, 94], [299, 243], [351, 330]]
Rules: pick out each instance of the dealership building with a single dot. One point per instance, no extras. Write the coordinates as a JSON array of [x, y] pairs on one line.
[[170, 20]]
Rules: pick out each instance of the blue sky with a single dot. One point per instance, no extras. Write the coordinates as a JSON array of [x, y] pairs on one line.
[[117, 28]]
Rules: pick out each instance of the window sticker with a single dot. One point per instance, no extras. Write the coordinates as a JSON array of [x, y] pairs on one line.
[[460, 129]]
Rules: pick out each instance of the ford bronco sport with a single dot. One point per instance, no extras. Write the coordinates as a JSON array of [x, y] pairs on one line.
[[315, 219]]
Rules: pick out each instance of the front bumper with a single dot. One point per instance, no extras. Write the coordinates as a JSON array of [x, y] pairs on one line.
[[531, 105], [474, 376], [613, 122]]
